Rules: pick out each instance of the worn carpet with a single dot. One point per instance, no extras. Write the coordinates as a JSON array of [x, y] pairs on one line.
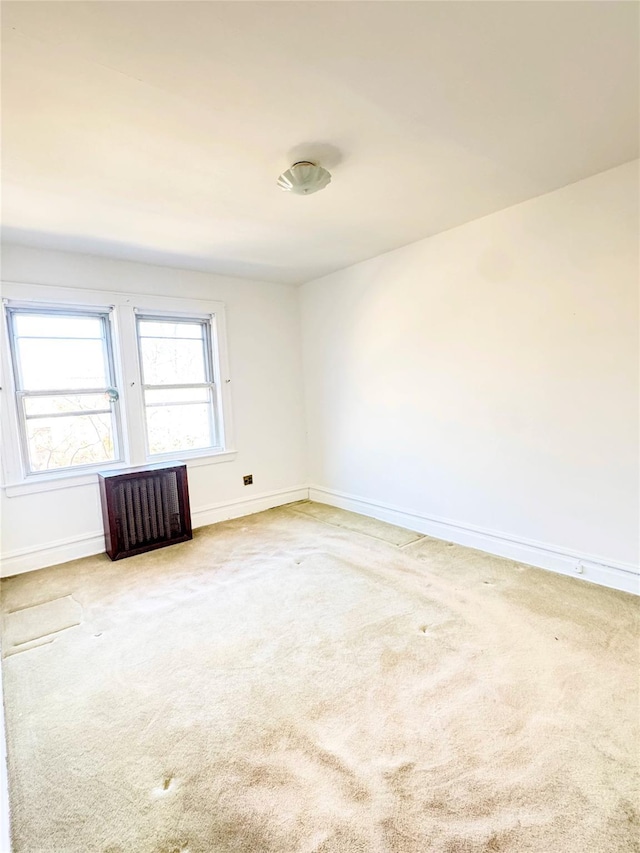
[[306, 681]]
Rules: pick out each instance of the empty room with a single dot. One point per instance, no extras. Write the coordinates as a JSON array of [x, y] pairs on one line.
[[320, 413]]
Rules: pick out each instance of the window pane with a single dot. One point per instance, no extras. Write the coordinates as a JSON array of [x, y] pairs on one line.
[[176, 428], [67, 441], [169, 361], [162, 329], [54, 363], [56, 326], [177, 395], [62, 403]]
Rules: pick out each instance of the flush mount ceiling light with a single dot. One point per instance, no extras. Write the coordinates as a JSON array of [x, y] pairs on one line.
[[304, 178]]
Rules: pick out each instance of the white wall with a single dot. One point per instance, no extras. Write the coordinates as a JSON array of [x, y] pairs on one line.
[[263, 331], [488, 375], [483, 382]]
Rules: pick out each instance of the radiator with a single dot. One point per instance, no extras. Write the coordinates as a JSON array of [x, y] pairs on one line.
[[145, 508]]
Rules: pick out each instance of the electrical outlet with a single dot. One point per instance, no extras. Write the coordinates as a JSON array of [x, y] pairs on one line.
[[248, 479]]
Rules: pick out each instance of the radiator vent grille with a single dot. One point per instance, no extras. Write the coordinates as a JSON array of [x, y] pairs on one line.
[[148, 510], [145, 511]]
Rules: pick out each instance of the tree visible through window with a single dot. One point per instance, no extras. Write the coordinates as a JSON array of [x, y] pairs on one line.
[[178, 381], [70, 417], [67, 402]]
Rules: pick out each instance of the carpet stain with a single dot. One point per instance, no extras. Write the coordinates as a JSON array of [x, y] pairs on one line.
[[288, 684]]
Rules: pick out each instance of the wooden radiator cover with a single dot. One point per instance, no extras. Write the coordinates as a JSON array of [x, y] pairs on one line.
[[145, 508]]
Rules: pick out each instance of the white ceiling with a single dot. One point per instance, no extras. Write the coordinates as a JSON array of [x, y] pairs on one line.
[[155, 131]]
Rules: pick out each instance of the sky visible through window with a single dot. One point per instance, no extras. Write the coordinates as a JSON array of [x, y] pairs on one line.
[[67, 357], [65, 387], [178, 394], [68, 397]]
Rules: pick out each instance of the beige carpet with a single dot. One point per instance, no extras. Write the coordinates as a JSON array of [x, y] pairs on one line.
[[287, 684]]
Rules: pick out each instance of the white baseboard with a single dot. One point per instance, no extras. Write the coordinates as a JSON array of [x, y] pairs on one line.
[[613, 574], [247, 506], [62, 550]]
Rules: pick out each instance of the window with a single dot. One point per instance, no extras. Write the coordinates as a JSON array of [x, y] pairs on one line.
[[66, 399], [98, 380], [178, 383]]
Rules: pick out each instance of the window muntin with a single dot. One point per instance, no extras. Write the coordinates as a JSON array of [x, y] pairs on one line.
[[64, 378], [177, 371]]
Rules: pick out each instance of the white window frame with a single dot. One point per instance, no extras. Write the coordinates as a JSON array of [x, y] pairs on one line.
[[21, 394], [123, 308], [212, 373]]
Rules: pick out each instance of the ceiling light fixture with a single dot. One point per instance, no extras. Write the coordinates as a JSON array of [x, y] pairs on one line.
[[304, 178]]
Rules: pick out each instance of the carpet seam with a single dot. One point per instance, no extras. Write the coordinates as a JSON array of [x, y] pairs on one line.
[[361, 532]]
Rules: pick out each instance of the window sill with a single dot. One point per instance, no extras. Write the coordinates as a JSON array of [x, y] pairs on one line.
[[55, 482]]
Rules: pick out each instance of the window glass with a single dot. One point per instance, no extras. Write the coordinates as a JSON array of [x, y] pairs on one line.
[[172, 362], [62, 442], [57, 326], [177, 354], [52, 364], [67, 402], [178, 427], [58, 360]]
